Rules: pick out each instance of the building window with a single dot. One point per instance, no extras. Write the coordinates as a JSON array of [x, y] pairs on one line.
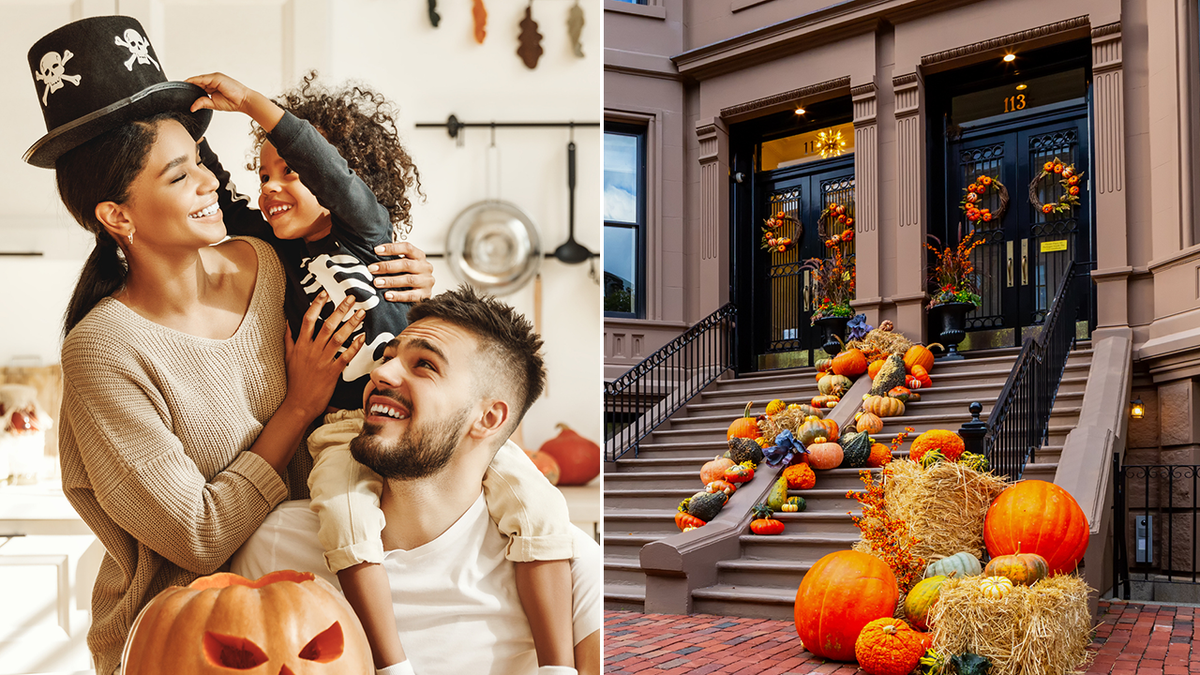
[[635, 2], [624, 221]]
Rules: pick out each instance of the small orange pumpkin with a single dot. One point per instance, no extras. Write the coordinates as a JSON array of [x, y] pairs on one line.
[[799, 477], [947, 442], [868, 422], [880, 455], [684, 520], [883, 406], [850, 363], [922, 376], [824, 454], [745, 426], [815, 427], [715, 470], [1020, 568], [888, 646], [825, 401], [202, 628]]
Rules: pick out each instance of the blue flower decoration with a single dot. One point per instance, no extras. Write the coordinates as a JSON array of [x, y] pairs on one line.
[[858, 327], [786, 447]]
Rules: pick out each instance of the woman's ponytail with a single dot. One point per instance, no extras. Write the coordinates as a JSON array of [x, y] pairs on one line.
[[103, 274]]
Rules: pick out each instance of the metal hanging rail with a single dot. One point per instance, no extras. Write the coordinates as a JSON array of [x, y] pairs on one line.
[[453, 125]]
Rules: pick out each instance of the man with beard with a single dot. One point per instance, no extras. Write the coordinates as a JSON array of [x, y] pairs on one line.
[[453, 385]]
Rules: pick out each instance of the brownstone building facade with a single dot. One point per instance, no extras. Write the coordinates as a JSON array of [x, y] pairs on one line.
[[734, 105]]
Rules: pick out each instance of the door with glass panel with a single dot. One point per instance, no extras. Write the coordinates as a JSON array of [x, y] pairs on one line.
[[785, 294], [1023, 252]]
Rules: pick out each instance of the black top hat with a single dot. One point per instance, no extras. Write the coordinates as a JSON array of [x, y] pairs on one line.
[[95, 75]]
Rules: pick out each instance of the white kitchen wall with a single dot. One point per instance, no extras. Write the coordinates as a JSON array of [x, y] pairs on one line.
[[429, 72]]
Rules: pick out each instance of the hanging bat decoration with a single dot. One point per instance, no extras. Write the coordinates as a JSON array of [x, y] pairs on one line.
[[531, 40], [574, 27], [480, 13], [434, 17]]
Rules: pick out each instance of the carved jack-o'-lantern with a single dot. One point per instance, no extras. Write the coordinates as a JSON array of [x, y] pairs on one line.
[[285, 623]]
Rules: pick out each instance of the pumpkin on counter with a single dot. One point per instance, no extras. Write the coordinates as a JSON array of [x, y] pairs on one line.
[[203, 628], [546, 464], [577, 457], [839, 595]]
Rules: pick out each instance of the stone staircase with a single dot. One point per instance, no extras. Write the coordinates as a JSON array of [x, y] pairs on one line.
[[641, 494]]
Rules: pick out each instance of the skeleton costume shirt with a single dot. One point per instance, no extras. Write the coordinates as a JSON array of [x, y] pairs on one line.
[[338, 262]]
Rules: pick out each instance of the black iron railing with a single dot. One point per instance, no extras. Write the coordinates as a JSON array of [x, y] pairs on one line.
[[1157, 514], [1018, 424], [643, 398]]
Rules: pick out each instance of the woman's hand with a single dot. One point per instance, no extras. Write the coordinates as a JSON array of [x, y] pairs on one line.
[[313, 362], [410, 270], [228, 95]]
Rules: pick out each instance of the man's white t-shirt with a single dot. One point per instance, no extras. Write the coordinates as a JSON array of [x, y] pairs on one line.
[[455, 598]]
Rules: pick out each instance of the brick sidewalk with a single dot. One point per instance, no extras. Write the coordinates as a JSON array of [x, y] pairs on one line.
[[1133, 639]]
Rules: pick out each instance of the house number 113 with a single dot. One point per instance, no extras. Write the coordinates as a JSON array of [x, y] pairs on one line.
[[1014, 103]]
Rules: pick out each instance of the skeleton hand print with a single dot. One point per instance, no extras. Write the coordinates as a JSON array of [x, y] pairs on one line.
[[138, 46], [51, 72], [340, 276]]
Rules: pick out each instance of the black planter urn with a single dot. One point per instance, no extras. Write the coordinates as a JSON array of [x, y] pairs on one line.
[[952, 318], [833, 325]]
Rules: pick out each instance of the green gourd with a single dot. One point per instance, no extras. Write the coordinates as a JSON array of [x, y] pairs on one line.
[[706, 505], [890, 375], [856, 449], [778, 494], [743, 450]]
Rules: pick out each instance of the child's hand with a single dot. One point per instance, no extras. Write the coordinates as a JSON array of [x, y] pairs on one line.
[[224, 93], [412, 271], [313, 364]]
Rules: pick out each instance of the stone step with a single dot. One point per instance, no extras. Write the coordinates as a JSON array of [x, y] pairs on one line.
[[625, 596], [624, 572], [628, 545], [641, 521], [766, 603], [795, 543], [762, 574]]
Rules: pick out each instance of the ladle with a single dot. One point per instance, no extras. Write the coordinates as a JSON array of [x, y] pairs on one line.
[[571, 252]]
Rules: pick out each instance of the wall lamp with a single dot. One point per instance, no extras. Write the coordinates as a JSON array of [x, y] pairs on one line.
[[1009, 58], [1136, 410]]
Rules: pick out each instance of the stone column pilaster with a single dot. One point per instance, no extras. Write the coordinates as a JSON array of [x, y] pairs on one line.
[[868, 297], [713, 135], [1112, 258], [910, 205]]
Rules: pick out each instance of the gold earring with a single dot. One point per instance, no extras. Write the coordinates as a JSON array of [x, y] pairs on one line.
[[131, 240]]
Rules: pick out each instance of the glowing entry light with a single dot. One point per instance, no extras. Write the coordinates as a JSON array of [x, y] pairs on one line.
[[1009, 58], [830, 144]]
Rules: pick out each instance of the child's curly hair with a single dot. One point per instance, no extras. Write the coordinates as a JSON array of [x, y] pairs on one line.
[[361, 124]]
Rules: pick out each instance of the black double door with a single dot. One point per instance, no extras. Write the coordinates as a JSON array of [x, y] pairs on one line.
[[1024, 254], [780, 296]]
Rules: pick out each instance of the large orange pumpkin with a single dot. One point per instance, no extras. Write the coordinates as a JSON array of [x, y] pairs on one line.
[[850, 363], [1034, 516], [285, 622], [715, 470], [840, 594], [577, 457]]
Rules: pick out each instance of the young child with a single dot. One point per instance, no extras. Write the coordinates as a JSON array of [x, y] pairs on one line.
[[335, 180]]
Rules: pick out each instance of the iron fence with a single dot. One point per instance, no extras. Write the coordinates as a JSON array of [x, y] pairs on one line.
[[1157, 514], [636, 403]]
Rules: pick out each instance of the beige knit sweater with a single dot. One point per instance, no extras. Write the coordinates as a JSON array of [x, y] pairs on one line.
[[154, 425]]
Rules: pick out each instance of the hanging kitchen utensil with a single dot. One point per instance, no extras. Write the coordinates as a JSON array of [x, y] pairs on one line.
[[492, 245], [574, 27], [434, 17], [571, 252], [530, 49]]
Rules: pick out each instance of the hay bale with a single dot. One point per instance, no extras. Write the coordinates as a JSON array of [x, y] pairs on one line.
[[1044, 629], [879, 343], [943, 505]]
